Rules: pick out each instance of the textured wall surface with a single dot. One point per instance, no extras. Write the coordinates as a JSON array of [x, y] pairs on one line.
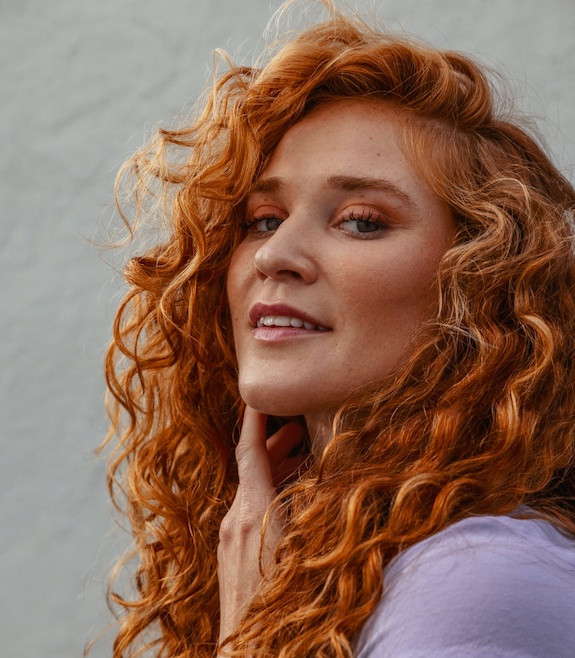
[[80, 83]]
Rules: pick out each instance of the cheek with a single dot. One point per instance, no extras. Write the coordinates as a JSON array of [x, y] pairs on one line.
[[392, 296], [236, 279]]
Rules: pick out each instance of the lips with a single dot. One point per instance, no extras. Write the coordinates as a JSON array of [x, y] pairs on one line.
[[282, 315]]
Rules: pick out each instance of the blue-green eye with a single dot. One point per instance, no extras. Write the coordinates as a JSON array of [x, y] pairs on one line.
[[363, 223], [360, 226], [263, 224], [266, 224]]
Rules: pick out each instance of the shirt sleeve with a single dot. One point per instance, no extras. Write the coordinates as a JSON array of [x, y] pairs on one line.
[[484, 587]]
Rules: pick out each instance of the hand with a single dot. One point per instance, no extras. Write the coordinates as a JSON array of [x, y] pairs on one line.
[[263, 465]]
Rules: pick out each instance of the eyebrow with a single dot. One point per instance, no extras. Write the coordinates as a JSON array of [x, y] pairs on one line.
[[347, 183], [355, 183]]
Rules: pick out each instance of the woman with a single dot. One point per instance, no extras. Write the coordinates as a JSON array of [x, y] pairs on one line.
[[369, 271]]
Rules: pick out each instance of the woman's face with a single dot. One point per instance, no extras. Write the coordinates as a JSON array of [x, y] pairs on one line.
[[337, 269]]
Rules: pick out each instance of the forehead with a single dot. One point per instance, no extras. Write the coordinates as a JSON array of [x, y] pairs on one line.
[[348, 139], [344, 137], [344, 122]]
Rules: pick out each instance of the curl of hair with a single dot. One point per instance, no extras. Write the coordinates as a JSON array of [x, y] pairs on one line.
[[478, 421]]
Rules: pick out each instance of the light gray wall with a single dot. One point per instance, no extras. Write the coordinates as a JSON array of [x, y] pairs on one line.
[[79, 81]]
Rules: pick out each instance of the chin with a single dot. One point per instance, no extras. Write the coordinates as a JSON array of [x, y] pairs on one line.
[[278, 401]]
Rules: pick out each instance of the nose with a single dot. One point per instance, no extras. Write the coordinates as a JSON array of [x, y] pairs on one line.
[[287, 254]]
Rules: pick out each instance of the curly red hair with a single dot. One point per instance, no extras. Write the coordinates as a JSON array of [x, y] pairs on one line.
[[478, 421]]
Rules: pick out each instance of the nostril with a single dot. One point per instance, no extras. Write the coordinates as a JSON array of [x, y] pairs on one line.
[[282, 259], [293, 273]]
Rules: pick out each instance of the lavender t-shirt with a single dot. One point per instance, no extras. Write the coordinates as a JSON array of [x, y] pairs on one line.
[[487, 586]]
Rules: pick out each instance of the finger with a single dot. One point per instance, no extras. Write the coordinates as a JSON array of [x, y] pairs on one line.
[[290, 469], [254, 469], [280, 444], [253, 432]]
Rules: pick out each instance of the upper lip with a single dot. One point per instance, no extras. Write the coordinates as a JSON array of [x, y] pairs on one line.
[[261, 310]]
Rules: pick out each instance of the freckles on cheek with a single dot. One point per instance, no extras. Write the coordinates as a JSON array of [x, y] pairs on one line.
[[235, 283], [406, 293], [374, 287]]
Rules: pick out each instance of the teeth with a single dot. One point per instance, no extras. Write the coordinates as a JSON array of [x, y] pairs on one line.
[[285, 321]]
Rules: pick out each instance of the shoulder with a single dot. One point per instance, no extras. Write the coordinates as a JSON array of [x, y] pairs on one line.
[[486, 586]]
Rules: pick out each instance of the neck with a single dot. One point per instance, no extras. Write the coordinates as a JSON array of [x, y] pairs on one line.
[[320, 429]]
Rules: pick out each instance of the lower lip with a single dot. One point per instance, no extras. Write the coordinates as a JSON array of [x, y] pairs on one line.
[[281, 333]]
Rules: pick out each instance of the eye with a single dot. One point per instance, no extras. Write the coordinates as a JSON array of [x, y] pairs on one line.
[[364, 224], [265, 224], [262, 223]]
